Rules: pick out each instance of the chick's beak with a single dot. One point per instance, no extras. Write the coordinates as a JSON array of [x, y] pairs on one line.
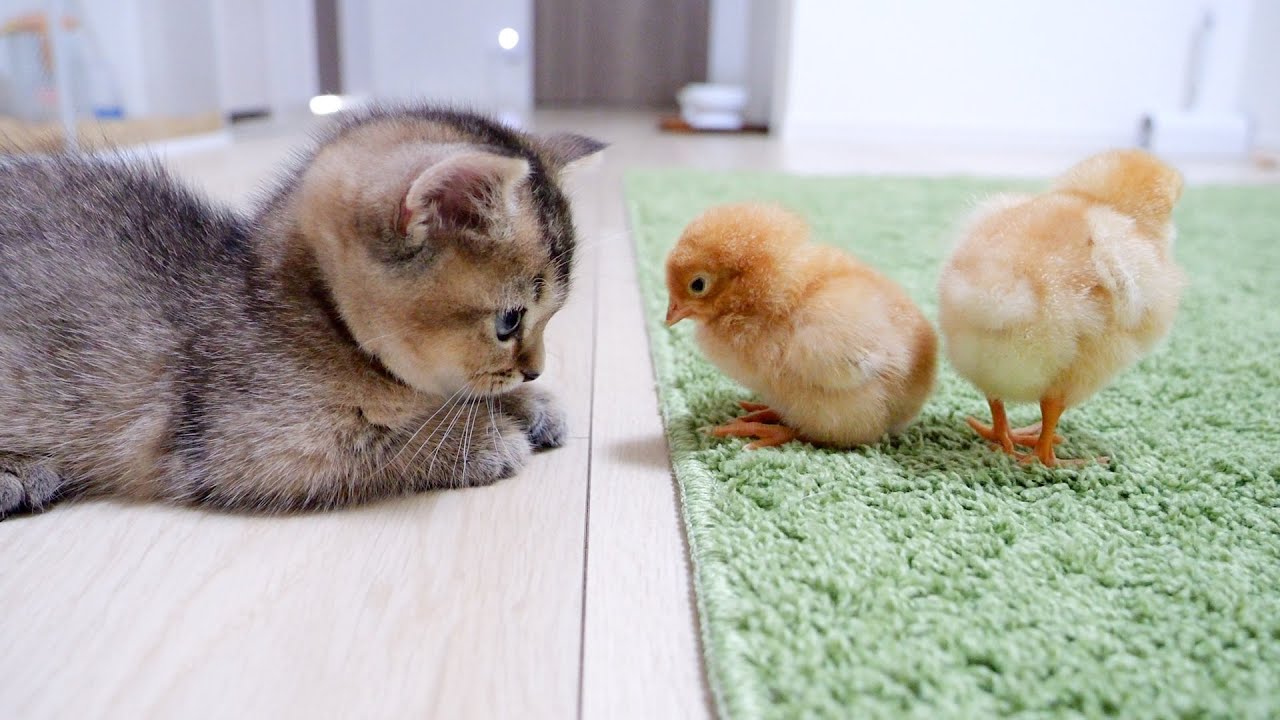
[[675, 313]]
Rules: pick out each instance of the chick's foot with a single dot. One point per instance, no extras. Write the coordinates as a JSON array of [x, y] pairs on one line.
[[766, 434], [758, 413], [1000, 434], [1050, 411], [998, 431], [1026, 436]]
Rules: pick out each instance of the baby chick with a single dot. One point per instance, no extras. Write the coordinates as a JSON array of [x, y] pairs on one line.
[[838, 351], [1046, 297]]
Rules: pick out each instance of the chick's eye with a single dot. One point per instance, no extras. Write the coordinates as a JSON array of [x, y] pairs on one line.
[[698, 285], [507, 323]]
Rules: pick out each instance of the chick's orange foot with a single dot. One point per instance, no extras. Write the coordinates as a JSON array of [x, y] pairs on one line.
[[1000, 434], [1040, 436], [759, 413], [1026, 436], [765, 434]]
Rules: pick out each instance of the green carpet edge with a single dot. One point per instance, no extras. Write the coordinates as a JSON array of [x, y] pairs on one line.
[[708, 582]]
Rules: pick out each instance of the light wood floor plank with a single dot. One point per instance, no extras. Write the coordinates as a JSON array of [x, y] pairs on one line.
[[456, 604], [640, 650]]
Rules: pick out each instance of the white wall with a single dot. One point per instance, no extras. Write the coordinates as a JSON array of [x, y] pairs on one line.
[[355, 46], [762, 64], [117, 34], [266, 54], [741, 50], [180, 75], [397, 49], [728, 40], [1002, 72], [292, 69], [241, 55], [1260, 84]]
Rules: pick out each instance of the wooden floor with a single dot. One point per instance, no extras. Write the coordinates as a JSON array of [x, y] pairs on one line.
[[562, 593]]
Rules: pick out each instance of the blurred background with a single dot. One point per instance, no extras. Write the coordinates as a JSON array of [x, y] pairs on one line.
[[1185, 76]]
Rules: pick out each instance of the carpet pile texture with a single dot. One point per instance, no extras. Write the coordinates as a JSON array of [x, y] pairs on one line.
[[928, 576]]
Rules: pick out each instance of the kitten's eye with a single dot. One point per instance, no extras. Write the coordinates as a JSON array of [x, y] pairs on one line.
[[507, 323], [699, 284]]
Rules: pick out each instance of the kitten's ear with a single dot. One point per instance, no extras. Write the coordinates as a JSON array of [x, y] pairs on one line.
[[569, 153], [461, 192]]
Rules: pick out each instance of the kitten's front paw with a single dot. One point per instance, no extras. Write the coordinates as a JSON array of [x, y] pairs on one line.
[[465, 445], [26, 486], [497, 449], [493, 449], [539, 413]]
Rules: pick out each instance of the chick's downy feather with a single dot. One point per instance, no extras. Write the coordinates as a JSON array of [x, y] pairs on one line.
[[1046, 297], [839, 352]]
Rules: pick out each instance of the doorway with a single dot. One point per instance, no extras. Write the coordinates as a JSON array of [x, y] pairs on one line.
[[617, 52]]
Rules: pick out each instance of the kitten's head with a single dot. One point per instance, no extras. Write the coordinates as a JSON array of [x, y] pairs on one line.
[[446, 243]]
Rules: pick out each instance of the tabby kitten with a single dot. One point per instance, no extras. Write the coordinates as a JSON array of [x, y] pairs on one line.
[[368, 331]]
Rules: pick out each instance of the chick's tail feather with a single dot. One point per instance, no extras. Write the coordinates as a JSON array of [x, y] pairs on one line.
[[1133, 182]]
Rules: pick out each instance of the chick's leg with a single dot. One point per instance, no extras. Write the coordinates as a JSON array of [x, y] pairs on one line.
[[999, 431], [766, 434], [1050, 411]]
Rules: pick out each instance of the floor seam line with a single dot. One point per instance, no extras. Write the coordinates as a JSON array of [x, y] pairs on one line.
[[591, 434]]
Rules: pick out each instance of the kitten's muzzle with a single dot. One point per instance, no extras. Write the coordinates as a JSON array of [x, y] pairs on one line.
[[530, 375]]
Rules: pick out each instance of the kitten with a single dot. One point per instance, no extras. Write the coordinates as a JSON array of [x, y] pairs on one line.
[[368, 331]]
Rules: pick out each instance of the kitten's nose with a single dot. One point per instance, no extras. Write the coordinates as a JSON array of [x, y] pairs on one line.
[[530, 375]]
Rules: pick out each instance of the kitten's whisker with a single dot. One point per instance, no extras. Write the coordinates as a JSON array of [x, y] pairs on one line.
[[467, 430], [493, 425], [435, 448], [421, 427], [443, 438], [460, 449]]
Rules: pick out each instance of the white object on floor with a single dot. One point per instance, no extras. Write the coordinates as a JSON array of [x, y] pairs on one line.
[[712, 106], [712, 119]]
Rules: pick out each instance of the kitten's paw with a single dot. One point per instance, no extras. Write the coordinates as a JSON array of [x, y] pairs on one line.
[[498, 450], [488, 448], [540, 414], [26, 486]]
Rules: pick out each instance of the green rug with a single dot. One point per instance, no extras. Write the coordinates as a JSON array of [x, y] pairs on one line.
[[929, 577]]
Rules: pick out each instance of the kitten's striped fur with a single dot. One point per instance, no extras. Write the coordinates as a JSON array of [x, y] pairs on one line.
[[336, 345]]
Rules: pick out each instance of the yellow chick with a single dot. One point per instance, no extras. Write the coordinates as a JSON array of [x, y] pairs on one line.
[[838, 351], [1046, 297]]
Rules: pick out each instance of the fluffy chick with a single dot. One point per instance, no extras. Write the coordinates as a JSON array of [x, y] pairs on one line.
[[838, 351], [1047, 297]]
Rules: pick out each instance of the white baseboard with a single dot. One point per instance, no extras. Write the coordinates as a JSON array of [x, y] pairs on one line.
[[1267, 141], [1002, 139], [177, 147]]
